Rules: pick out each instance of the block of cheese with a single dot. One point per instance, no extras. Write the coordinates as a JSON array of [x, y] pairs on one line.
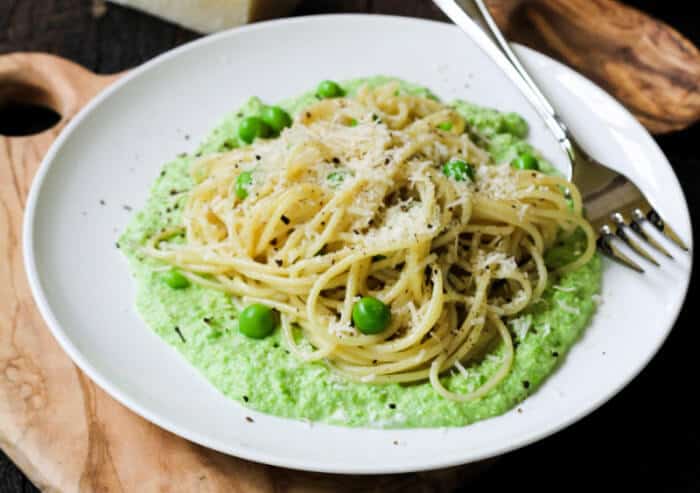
[[208, 16]]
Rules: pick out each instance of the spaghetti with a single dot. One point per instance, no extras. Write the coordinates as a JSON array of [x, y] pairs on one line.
[[353, 200]]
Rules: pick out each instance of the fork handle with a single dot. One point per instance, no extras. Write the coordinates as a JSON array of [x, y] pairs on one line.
[[478, 11], [472, 14]]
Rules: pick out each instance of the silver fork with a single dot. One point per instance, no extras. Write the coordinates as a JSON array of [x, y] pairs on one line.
[[613, 203]]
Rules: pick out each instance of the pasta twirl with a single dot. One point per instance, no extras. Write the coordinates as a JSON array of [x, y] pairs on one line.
[[354, 200]]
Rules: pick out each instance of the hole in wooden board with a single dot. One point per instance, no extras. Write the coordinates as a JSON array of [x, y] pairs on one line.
[[25, 110]]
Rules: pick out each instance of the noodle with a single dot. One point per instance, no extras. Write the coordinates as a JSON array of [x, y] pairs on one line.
[[351, 201]]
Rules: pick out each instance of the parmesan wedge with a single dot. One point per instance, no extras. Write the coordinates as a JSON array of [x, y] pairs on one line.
[[207, 16]]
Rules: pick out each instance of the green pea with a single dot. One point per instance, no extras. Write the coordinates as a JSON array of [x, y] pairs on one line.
[[336, 177], [459, 170], [370, 315], [276, 118], [525, 161], [251, 128], [257, 321], [446, 126], [175, 279], [352, 122], [243, 183], [329, 89], [514, 124]]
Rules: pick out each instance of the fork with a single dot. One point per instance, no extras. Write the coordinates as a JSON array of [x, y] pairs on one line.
[[614, 205]]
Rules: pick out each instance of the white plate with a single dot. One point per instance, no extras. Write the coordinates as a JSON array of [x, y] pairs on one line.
[[114, 150]]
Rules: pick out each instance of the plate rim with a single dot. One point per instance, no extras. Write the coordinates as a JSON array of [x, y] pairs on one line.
[[242, 450]]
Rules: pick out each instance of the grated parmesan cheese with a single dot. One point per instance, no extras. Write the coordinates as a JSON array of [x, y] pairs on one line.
[[399, 224], [506, 265], [521, 326], [498, 182], [568, 308], [341, 329], [546, 329]]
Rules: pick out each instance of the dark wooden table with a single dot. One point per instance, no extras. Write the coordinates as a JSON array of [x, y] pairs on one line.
[[645, 439]]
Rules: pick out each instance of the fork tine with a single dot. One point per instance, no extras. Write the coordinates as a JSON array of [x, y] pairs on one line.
[[665, 228], [634, 245], [636, 226], [606, 246]]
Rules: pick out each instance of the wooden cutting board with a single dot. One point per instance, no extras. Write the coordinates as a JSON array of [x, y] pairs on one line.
[[61, 429], [68, 435]]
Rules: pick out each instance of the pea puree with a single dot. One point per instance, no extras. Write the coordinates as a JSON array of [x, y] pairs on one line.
[[202, 324]]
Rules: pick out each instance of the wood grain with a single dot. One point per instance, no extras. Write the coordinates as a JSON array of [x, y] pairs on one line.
[[64, 432], [646, 64]]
